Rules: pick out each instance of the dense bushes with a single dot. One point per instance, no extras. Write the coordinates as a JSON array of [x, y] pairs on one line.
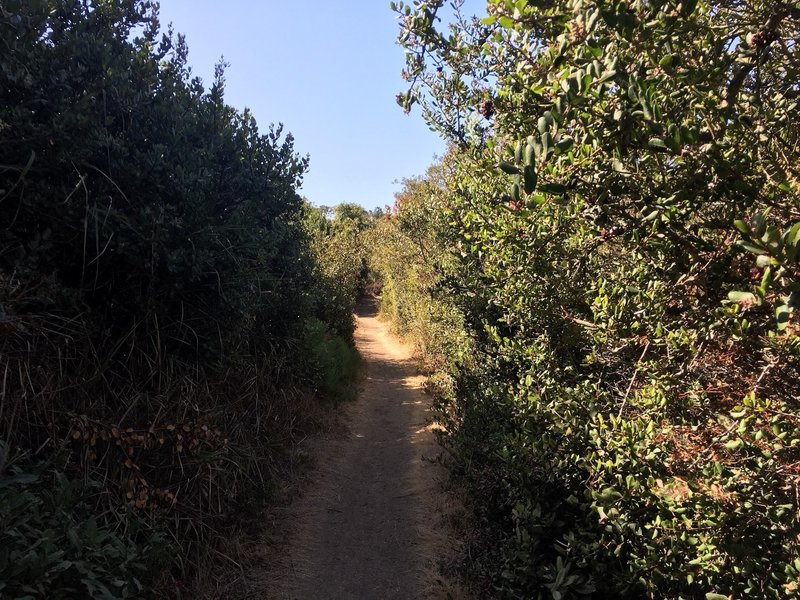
[[155, 288], [336, 245], [339, 262], [52, 548], [622, 206], [408, 254], [332, 362]]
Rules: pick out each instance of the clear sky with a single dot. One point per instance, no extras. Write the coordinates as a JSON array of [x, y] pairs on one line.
[[329, 71]]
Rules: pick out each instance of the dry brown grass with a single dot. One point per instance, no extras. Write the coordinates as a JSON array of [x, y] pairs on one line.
[[199, 451]]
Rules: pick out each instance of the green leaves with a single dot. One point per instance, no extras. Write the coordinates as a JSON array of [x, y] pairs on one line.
[[553, 188], [666, 61], [17, 478], [657, 144], [547, 144], [734, 444], [524, 153], [55, 548], [508, 168], [782, 314], [532, 150], [530, 179], [543, 125], [646, 284], [776, 252], [745, 298], [791, 243], [506, 22], [565, 144]]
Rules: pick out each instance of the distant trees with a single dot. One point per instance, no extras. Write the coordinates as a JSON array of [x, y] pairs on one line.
[[409, 256], [622, 208], [337, 242], [346, 214]]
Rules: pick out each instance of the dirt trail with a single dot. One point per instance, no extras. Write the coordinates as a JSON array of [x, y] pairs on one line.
[[371, 523]]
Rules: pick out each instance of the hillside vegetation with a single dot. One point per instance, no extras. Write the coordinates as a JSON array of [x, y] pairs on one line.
[[167, 308], [604, 273], [601, 277]]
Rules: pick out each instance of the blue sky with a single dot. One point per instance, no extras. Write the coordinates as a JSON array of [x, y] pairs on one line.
[[329, 71]]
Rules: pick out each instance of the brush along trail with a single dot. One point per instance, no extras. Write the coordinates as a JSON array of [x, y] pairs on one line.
[[371, 523]]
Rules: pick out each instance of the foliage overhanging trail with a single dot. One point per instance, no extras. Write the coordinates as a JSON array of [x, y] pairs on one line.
[[605, 268]]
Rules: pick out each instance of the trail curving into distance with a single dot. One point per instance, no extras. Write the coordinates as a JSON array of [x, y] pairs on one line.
[[371, 524]]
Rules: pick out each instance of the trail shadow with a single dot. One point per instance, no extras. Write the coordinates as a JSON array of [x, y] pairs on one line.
[[367, 307]]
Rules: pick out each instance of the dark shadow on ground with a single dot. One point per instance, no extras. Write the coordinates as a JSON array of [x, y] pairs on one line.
[[367, 306]]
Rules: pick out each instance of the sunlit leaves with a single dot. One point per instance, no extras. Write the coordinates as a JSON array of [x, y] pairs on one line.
[[626, 218]]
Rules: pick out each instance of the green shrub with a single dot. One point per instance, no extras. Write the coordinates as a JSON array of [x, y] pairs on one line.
[[53, 545], [155, 276], [337, 246], [332, 362], [623, 220], [408, 256]]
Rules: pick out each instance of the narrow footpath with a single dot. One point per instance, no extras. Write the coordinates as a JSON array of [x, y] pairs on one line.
[[371, 524]]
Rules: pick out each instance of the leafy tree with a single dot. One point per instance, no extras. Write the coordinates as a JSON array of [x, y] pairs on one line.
[[154, 277], [349, 214], [628, 426], [336, 236], [408, 254]]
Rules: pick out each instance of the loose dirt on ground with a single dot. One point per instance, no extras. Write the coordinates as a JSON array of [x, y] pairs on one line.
[[372, 521]]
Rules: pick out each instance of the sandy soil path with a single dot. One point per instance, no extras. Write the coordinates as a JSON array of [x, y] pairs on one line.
[[371, 522]]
